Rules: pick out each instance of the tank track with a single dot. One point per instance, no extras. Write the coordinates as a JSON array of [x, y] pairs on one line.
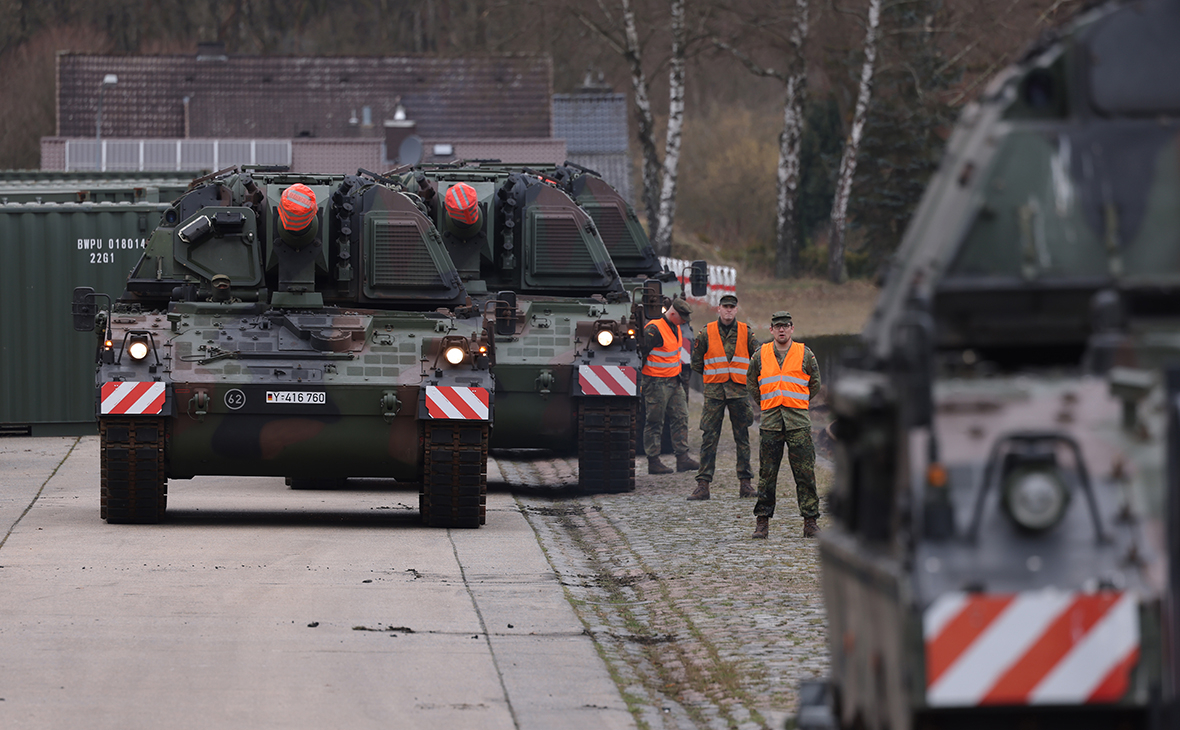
[[606, 444], [131, 459], [455, 476]]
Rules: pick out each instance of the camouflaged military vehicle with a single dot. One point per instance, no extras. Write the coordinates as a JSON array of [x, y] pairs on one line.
[[305, 326], [567, 362], [634, 258], [1004, 515], [627, 243]]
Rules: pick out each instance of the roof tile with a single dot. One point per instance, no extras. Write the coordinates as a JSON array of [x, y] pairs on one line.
[[283, 96]]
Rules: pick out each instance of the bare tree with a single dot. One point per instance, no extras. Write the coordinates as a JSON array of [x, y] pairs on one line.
[[659, 179], [662, 239], [27, 85], [837, 271], [643, 119], [790, 140]]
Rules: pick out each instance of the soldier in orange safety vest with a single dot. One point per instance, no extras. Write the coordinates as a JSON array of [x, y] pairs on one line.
[[721, 354], [663, 394], [784, 377]]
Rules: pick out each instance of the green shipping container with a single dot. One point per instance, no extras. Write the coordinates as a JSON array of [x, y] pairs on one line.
[[46, 368], [60, 187], [105, 177]]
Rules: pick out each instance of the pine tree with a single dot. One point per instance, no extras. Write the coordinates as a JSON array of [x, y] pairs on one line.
[[902, 142]]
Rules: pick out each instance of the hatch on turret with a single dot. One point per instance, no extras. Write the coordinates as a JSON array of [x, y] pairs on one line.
[[563, 245], [220, 241], [618, 226], [404, 254]]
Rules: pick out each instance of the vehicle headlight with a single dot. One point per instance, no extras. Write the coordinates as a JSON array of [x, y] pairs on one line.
[[454, 354], [1035, 497], [605, 337], [138, 348]]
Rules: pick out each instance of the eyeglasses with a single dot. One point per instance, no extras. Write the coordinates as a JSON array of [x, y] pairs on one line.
[[781, 326]]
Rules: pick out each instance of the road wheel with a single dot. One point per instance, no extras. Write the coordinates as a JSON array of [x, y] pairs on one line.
[[131, 464]]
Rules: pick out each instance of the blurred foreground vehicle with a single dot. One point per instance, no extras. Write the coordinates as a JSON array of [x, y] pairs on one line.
[[1005, 506]]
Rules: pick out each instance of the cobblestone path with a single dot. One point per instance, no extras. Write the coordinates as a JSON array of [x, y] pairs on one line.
[[701, 626]]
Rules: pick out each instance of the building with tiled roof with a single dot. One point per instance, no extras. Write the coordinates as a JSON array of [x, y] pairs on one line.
[[593, 122], [217, 96], [328, 114]]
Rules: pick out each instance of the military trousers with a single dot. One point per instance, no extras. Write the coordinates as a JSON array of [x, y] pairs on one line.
[[801, 455], [741, 415], [664, 398]]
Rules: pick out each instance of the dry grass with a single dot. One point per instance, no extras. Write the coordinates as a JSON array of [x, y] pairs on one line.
[[818, 307]]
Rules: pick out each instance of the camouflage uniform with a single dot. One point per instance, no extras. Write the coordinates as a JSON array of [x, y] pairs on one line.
[[792, 427], [719, 397], [664, 397]]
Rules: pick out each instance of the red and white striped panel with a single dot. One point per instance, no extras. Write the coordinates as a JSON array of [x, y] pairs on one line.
[[132, 399], [607, 380], [469, 404], [1032, 648], [685, 344]]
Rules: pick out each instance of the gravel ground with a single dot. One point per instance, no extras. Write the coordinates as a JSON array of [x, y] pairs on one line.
[[701, 626]]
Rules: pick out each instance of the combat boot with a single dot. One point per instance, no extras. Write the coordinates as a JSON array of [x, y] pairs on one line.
[[762, 530], [684, 462], [810, 529], [745, 490], [655, 466], [701, 492]]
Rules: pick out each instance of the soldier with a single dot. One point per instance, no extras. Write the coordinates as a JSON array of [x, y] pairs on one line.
[[721, 353], [784, 377], [663, 393]]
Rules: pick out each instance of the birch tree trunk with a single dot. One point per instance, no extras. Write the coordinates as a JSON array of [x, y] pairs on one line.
[[644, 122], [790, 143], [662, 239], [837, 272]]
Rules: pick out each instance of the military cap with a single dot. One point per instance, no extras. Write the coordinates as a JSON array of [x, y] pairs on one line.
[[682, 309], [780, 318], [728, 299]]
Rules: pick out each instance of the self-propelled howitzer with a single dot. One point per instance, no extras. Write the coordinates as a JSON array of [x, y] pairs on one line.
[[567, 362], [305, 326]]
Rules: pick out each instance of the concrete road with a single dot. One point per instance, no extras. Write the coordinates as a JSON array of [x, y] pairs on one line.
[[256, 606]]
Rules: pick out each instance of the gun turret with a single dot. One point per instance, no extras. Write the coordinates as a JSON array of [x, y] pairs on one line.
[[300, 242]]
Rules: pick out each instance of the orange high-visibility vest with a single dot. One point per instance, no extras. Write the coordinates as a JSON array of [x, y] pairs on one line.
[[787, 385], [664, 361], [718, 369]]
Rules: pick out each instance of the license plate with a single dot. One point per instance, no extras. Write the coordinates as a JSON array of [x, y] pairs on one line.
[[298, 397]]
